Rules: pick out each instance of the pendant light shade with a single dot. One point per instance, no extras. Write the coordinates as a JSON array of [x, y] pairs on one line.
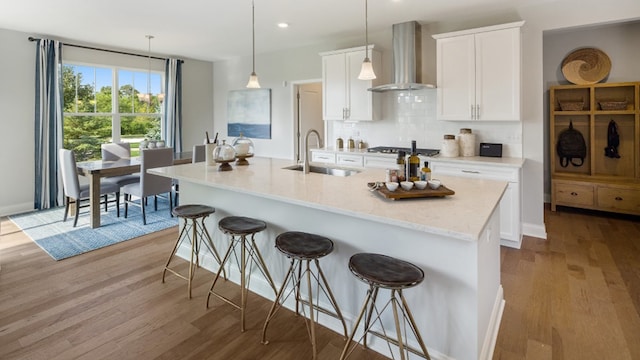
[[366, 72], [253, 78]]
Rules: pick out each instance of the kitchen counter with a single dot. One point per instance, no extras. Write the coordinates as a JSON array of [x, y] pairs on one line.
[[454, 239], [496, 161]]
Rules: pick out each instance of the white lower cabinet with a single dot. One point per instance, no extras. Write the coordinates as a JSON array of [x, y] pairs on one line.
[[349, 160], [381, 162], [327, 157], [510, 205]]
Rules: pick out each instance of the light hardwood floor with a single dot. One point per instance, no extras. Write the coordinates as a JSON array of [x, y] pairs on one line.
[[573, 296]]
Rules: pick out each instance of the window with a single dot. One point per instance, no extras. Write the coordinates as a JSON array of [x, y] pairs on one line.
[[94, 115]]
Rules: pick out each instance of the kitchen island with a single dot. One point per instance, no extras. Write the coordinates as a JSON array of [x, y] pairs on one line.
[[454, 239]]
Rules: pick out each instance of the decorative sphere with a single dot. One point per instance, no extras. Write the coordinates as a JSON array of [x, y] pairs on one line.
[[243, 146], [224, 152]]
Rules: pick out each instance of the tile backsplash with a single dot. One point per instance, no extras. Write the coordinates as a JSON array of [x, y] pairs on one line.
[[407, 116]]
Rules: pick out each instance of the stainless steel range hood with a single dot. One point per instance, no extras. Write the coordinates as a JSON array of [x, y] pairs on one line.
[[407, 59]]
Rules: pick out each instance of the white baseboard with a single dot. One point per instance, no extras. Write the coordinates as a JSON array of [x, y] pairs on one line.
[[538, 231], [16, 209]]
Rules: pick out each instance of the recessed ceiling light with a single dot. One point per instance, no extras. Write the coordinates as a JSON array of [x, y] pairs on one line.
[[283, 25]]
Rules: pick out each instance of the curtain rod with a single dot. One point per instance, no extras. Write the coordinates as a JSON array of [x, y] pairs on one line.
[[107, 50]]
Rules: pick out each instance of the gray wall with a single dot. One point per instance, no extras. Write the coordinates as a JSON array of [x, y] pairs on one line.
[[17, 88], [618, 41]]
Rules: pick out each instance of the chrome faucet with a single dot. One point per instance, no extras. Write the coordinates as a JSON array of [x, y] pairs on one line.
[[305, 164]]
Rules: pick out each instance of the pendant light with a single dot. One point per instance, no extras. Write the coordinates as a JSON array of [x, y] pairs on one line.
[[366, 72], [253, 79], [146, 97]]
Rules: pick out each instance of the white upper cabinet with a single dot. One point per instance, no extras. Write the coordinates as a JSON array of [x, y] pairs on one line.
[[344, 96], [478, 73]]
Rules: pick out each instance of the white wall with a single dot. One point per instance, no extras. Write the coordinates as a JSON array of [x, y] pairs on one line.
[[17, 89], [273, 70], [17, 92]]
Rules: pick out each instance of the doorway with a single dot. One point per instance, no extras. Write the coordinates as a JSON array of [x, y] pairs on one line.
[[307, 114]]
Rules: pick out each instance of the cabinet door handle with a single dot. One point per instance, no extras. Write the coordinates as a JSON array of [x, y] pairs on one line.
[[348, 160], [573, 193], [477, 112], [618, 198], [471, 172], [471, 112]]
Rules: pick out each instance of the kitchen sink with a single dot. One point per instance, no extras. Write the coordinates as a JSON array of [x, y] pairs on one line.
[[324, 170]]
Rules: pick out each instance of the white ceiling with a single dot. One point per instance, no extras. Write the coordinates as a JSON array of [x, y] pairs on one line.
[[215, 29]]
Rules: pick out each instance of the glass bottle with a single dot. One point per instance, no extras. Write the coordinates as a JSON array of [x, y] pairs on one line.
[[401, 166], [425, 172], [414, 163]]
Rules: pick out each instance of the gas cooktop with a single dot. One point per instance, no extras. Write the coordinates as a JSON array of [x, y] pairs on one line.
[[395, 149]]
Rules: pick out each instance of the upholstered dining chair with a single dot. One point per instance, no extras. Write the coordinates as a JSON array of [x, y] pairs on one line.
[[150, 184], [115, 152], [197, 155], [76, 192]]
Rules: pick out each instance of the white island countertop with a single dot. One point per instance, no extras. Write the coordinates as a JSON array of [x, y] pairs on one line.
[[462, 216]]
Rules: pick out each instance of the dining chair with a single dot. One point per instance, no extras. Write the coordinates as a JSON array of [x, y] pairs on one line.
[[150, 184], [197, 155], [115, 152], [76, 192]]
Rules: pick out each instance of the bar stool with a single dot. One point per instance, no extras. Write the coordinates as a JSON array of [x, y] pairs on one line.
[[303, 247], [199, 235], [239, 227], [381, 271]]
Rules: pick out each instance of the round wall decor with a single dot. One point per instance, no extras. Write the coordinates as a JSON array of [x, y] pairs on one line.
[[586, 66]]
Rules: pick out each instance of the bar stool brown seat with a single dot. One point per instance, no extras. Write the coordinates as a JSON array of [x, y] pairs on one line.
[[382, 271], [239, 228], [199, 236], [301, 248]]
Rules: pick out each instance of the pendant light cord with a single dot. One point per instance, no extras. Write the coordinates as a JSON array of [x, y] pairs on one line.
[[253, 33], [149, 69], [366, 29]]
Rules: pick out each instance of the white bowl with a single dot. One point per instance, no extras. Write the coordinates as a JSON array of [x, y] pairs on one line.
[[434, 184], [406, 185], [391, 186], [421, 184]]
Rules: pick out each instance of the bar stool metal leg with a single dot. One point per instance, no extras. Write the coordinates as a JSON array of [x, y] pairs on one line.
[[248, 252], [199, 235], [303, 247], [393, 274]]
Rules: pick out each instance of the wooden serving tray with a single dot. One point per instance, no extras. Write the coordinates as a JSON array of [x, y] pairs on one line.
[[414, 193]]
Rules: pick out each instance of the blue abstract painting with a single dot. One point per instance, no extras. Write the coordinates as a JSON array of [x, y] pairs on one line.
[[249, 112]]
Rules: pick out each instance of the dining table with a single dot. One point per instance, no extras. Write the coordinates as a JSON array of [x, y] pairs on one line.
[[96, 169]]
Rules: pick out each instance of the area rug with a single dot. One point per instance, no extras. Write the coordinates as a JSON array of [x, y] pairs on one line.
[[61, 240]]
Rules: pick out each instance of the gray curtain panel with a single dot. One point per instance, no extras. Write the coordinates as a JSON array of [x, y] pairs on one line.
[[48, 123], [173, 104]]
